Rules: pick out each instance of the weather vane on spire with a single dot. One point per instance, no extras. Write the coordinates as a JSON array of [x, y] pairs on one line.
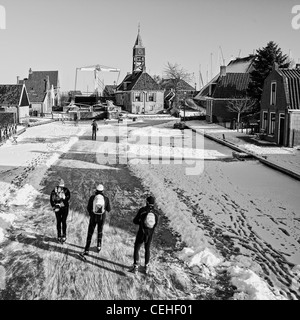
[[139, 28]]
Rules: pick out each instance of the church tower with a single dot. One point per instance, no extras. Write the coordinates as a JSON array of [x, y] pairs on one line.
[[138, 55]]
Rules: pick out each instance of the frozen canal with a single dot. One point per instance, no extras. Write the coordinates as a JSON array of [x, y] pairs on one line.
[[242, 208]]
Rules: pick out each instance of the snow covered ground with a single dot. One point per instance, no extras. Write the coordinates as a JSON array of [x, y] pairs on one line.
[[179, 196]]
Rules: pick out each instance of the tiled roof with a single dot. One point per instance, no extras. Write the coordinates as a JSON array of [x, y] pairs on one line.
[[10, 94], [182, 85], [109, 90], [238, 65], [39, 76], [292, 81], [36, 90], [35, 84], [232, 85], [241, 65], [138, 81]]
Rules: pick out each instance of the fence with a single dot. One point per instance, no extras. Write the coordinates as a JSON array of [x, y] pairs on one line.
[[7, 131]]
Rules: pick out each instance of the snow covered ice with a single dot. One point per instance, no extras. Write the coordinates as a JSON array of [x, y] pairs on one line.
[[244, 215]]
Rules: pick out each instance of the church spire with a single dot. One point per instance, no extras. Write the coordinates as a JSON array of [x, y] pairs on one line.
[[139, 42], [138, 54]]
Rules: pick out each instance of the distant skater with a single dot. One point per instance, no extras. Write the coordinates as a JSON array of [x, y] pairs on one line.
[[147, 220], [98, 206], [59, 200], [94, 129]]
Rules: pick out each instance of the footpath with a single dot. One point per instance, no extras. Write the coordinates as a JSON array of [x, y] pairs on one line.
[[286, 160]]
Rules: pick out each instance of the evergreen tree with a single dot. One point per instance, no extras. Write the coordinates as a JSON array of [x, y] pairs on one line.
[[263, 63]]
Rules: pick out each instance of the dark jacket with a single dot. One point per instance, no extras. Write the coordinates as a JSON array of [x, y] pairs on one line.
[[65, 201], [94, 125], [144, 233], [91, 200]]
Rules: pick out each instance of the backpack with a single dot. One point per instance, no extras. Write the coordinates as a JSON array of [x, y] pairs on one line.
[[149, 220], [59, 196], [99, 204]]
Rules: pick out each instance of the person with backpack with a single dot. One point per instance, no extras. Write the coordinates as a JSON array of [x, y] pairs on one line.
[[98, 206], [59, 200], [94, 129], [147, 220]]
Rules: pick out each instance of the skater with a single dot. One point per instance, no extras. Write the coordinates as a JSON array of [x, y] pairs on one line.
[[147, 219], [97, 208], [95, 129], [59, 200]]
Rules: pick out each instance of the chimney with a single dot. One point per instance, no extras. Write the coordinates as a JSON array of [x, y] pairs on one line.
[[47, 83], [222, 71], [18, 79]]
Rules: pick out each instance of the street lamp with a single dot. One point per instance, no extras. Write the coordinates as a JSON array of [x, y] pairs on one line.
[[184, 106]]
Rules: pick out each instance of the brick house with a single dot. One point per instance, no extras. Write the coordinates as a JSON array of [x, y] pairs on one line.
[[43, 90], [280, 106], [230, 84], [138, 93], [14, 99]]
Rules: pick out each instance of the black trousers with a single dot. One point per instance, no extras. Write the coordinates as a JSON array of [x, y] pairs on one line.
[[95, 220], [94, 134], [146, 240], [61, 221]]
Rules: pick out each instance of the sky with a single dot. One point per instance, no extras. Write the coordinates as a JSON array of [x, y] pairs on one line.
[[67, 34]]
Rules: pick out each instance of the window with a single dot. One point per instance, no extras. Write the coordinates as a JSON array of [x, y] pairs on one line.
[[272, 123], [137, 96], [151, 96], [273, 94], [265, 120]]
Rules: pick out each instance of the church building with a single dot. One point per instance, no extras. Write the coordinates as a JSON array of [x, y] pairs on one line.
[[138, 93]]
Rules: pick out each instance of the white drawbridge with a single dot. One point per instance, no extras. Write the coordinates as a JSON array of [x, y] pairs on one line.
[[98, 83]]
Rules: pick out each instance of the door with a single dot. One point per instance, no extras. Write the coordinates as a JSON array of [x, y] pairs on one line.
[[281, 129]]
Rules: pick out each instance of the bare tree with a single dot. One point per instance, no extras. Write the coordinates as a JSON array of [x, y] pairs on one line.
[[240, 105], [175, 75]]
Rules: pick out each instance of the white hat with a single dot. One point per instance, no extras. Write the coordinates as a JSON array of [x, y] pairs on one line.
[[61, 183], [100, 187]]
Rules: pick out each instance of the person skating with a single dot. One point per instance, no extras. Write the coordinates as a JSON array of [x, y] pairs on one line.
[[98, 206], [94, 129], [147, 220], [59, 200]]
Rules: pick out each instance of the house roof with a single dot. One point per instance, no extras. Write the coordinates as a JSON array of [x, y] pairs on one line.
[[292, 83], [10, 94], [182, 85], [231, 85], [35, 84], [39, 76], [138, 81], [110, 89], [239, 65]]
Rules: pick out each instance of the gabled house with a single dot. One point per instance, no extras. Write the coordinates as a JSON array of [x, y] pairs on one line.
[[183, 89], [230, 84], [138, 93], [43, 90], [280, 106], [14, 98]]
